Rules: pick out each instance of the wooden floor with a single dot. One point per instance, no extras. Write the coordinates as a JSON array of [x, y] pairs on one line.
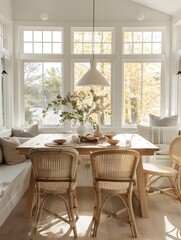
[[164, 222]]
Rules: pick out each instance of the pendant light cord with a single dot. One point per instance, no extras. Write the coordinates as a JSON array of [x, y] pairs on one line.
[[93, 25]]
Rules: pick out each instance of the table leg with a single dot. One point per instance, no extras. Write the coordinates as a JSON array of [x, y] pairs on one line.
[[30, 197], [142, 191]]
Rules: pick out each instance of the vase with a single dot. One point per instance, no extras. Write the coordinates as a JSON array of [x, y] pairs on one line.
[[82, 130], [97, 132]]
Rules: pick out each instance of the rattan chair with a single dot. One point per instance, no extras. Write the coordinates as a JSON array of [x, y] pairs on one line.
[[114, 173], [54, 172], [153, 172]]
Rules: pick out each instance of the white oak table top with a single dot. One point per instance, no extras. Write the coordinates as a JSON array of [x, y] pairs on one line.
[[139, 144]]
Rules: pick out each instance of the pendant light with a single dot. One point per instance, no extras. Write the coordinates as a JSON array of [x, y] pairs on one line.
[[179, 70], [3, 64], [93, 76]]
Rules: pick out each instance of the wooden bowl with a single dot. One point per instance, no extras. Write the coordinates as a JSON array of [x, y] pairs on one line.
[[113, 141], [59, 141]]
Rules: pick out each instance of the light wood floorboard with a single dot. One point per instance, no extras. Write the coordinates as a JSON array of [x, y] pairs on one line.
[[164, 222]]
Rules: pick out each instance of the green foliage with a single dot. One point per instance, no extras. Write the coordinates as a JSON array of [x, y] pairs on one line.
[[79, 106]]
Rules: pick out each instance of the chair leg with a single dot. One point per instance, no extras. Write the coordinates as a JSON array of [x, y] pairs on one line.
[[133, 226], [72, 213], [36, 217], [96, 213], [75, 204], [40, 205], [176, 188]]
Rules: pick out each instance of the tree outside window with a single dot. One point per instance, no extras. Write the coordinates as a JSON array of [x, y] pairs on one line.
[[142, 87], [42, 82]]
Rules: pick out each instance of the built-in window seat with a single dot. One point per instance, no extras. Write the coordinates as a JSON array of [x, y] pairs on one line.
[[14, 173], [14, 181]]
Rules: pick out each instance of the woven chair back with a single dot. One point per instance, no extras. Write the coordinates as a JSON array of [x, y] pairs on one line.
[[175, 150], [114, 165], [54, 164]]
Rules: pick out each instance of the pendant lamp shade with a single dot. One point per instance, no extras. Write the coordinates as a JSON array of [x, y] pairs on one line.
[[93, 77]]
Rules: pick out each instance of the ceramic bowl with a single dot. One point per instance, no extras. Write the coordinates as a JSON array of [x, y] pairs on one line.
[[110, 135], [113, 141], [59, 141]]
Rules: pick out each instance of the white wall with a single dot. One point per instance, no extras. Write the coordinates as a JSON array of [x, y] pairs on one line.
[[81, 10], [6, 9]]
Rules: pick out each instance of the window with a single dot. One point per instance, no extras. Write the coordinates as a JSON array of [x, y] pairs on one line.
[[134, 72], [100, 43], [42, 76], [142, 77], [42, 82], [142, 86], [142, 42], [85, 41], [42, 42]]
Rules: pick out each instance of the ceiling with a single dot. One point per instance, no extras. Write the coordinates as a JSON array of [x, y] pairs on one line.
[[165, 6]]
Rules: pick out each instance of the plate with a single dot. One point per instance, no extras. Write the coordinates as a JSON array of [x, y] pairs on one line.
[[51, 144], [59, 141]]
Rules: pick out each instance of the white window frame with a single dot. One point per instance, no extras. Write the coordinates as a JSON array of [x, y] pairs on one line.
[[33, 57], [39, 55], [147, 58], [97, 29], [99, 58], [145, 29]]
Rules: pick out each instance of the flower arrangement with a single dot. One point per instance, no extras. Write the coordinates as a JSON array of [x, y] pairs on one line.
[[81, 106]]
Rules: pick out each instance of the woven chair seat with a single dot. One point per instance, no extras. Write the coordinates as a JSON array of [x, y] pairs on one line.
[[158, 169], [59, 187], [121, 187]]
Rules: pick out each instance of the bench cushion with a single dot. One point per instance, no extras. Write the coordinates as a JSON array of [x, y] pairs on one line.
[[158, 135], [14, 183]]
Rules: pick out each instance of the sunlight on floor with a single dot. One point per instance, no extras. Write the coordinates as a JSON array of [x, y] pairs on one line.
[[56, 228], [83, 225], [172, 232]]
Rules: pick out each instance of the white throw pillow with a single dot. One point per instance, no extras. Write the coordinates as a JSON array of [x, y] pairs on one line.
[[11, 155], [30, 132], [163, 121]]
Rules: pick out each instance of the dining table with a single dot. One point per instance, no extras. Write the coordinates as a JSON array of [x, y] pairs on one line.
[[136, 142]]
